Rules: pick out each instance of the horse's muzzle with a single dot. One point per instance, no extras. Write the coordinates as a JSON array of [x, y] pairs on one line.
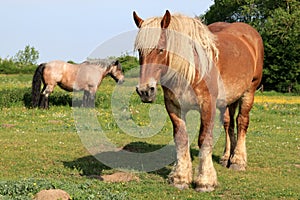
[[147, 93], [120, 81]]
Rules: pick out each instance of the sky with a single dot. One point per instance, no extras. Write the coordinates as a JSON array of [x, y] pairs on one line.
[[74, 29]]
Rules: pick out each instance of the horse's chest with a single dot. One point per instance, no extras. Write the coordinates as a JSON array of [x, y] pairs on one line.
[[184, 99]]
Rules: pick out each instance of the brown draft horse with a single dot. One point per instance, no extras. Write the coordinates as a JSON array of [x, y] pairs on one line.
[[201, 68], [86, 76]]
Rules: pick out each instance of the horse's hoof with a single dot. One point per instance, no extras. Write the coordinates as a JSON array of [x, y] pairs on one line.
[[224, 162], [182, 186], [237, 167], [205, 188]]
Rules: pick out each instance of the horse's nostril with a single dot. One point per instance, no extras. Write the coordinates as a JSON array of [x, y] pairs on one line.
[[152, 89]]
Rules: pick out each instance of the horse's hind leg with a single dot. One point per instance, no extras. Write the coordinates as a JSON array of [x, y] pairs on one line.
[[238, 160], [46, 91], [229, 134], [43, 102]]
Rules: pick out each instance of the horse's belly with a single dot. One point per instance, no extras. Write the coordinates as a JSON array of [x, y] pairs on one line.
[[66, 87]]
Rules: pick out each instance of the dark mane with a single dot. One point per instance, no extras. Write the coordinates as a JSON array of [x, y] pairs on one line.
[[101, 62]]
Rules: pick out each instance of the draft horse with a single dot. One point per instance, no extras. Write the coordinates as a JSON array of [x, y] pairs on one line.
[[86, 76], [201, 67]]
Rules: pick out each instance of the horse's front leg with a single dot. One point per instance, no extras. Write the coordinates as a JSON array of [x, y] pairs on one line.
[[206, 179], [85, 99], [91, 97], [181, 176], [88, 99], [91, 103]]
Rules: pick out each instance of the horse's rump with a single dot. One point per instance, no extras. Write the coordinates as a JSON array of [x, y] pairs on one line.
[[217, 26], [240, 57]]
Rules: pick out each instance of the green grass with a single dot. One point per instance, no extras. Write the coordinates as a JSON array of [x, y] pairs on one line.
[[41, 149]]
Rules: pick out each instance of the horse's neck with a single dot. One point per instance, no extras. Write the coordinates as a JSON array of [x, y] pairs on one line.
[[106, 71]]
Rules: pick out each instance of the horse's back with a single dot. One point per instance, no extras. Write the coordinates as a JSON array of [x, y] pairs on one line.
[[60, 72], [240, 57], [241, 31]]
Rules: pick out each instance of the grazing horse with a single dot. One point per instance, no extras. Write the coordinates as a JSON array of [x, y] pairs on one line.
[[86, 76], [200, 67]]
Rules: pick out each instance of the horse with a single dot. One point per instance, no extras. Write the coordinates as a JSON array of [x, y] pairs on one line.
[[86, 76], [201, 68]]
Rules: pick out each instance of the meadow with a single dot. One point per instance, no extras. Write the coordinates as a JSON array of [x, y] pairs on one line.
[[42, 149]]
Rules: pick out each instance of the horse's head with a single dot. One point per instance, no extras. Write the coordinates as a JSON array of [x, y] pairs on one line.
[[116, 72], [153, 61]]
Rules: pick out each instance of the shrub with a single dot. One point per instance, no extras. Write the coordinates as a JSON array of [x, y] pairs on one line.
[[10, 97], [8, 66], [128, 62]]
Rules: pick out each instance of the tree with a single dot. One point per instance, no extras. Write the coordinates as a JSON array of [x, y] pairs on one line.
[[248, 11], [282, 35], [278, 23], [28, 56]]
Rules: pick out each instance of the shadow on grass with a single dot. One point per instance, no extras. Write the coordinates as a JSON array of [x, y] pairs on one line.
[[94, 164], [87, 166], [91, 165], [56, 99]]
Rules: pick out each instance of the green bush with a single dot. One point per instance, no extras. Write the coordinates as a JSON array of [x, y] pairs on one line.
[[27, 188], [10, 97], [8, 66], [128, 62], [24, 189]]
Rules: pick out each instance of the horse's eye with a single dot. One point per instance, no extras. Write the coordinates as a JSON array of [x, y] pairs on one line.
[[161, 51]]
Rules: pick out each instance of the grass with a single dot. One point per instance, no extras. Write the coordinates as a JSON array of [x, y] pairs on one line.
[[41, 149]]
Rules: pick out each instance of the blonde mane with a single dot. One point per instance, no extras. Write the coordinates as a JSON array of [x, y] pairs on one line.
[[187, 38]]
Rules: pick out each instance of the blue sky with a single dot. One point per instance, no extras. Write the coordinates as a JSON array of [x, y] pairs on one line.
[[72, 29]]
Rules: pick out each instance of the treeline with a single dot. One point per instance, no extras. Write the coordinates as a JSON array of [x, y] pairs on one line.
[[25, 62], [278, 22]]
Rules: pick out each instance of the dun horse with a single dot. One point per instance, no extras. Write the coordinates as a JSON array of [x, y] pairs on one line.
[[201, 68], [86, 76]]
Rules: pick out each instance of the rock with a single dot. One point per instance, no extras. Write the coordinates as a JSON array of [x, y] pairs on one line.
[[52, 194]]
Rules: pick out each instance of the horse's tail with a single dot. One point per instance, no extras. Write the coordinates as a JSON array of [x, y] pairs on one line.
[[36, 84]]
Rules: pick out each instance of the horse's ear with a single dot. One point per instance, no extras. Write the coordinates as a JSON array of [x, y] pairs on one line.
[[165, 22], [117, 62], [138, 21]]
